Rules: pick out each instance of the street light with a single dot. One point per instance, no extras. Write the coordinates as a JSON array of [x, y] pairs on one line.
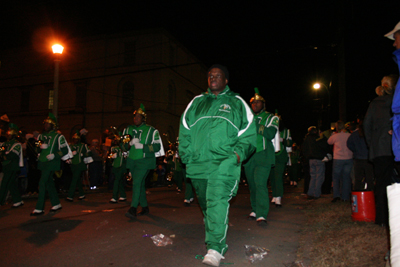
[[57, 51], [318, 86]]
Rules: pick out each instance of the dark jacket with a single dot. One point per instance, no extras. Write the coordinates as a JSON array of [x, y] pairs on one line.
[[377, 125], [357, 145], [314, 147]]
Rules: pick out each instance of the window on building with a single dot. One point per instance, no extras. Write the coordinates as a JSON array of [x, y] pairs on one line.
[[127, 94], [51, 98], [130, 53], [172, 55], [81, 95], [25, 99]]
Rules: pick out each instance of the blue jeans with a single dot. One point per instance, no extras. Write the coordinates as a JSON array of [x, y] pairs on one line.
[[317, 174], [341, 178]]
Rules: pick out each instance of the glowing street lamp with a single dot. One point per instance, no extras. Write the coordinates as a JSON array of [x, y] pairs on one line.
[[317, 86], [57, 51]]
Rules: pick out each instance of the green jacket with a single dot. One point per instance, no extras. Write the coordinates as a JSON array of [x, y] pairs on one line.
[[12, 156], [82, 151], [286, 141], [58, 146], [150, 138], [267, 125], [214, 128]]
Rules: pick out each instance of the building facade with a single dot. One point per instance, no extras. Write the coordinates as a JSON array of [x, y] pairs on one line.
[[102, 80]]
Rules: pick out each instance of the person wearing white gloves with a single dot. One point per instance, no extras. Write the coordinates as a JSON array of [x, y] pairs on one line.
[[145, 146], [53, 149]]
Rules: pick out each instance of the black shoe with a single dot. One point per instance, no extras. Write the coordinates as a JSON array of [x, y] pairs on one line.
[[131, 213], [251, 218], [37, 213], [336, 199], [144, 211], [310, 197], [278, 205], [262, 223], [69, 199]]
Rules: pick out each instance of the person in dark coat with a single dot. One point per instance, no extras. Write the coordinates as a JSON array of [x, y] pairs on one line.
[[315, 150], [377, 130]]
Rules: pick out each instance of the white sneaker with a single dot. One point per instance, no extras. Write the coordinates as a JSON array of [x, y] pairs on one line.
[[278, 201], [273, 200], [212, 258], [113, 200], [325, 159], [18, 204], [122, 199], [56, 208]]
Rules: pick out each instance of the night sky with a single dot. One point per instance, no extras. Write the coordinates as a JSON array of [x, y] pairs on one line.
[[281, 47]]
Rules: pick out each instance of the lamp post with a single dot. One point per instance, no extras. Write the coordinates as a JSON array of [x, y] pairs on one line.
[[57, 51], [318, 86]]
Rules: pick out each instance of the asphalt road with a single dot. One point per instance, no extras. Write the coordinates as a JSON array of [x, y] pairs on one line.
[[94, 232]]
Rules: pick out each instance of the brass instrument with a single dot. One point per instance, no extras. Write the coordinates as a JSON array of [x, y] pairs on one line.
[[126, 138], [38, 143]]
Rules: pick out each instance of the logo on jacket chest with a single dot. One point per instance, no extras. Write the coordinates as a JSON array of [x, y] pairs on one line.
[[225, 108]]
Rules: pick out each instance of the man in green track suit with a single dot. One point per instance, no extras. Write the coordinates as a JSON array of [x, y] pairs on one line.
[[145, 146], [81, 154], [216, 134], [258, 167], [53, 149], [11, 157]]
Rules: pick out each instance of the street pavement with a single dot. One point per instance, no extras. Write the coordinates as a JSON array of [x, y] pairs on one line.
[[94, 232]]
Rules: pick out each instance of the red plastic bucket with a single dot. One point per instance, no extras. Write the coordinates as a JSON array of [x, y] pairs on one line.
[[363, 206]]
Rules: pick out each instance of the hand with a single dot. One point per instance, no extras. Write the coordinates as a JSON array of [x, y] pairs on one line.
[[74, 152], [138, 145], [390, 132], [134, 141], [44, 146], [50, 157], [68, 161], [114, 156]]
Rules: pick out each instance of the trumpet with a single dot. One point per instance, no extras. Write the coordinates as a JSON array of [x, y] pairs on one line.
[[38, 143], [126, 138]]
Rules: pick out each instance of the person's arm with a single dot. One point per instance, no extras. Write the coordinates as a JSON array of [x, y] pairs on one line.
[[247, 135]]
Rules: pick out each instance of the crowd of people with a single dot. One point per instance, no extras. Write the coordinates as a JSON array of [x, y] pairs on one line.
[[220, 134]]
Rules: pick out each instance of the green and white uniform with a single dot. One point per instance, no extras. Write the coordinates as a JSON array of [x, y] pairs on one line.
[[118, 169], [281, 160], [79, 152], [49, 162], [141, 161], [260, 163], [11, 159], [213, 130]]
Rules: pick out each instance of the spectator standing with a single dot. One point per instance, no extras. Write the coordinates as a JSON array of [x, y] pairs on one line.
[[342, 163], [395, 35], [377, 129], [362, 167], [314, 150]]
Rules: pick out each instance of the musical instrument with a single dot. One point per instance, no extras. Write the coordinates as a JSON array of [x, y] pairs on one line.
[[38, 143], [126, 138]]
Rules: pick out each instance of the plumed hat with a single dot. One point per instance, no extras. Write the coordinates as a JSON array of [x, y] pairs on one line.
[[257, 96], [51, 119], [141, 111]]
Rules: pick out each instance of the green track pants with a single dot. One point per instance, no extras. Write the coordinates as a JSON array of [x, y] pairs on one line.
[[214, 197], [9, 183], [257, 173]]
